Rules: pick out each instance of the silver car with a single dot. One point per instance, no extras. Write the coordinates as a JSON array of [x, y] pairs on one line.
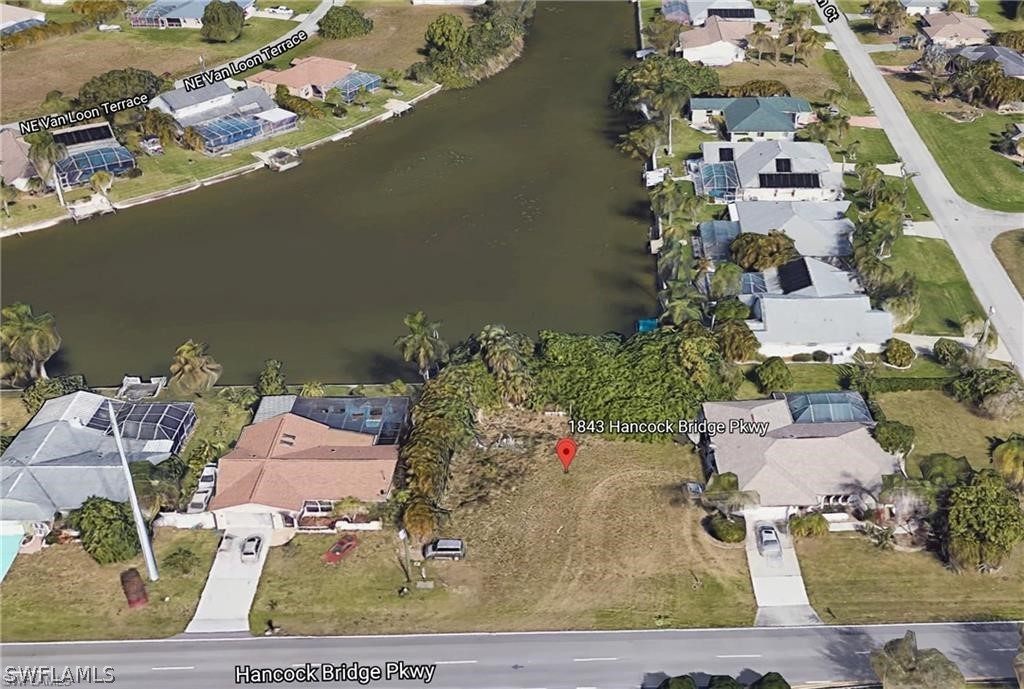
[[251, 548], [768, 543]]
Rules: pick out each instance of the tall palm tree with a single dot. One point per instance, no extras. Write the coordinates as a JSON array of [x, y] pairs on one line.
[[44, 152], [682, 303], [423, 344], [193, 370], [161, 125], [27, 340], [871, 181], [8, 194], [669, 101], [101, 181], [759, 38], [809, 44], [192, 140], [498, 348], [670, 258], [668, 197], [313, 388], [642, 142]]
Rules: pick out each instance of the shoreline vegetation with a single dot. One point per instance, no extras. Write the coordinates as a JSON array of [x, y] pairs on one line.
[[457, 56]]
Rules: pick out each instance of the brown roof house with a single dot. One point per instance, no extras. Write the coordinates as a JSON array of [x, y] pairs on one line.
[[953, 29], [300, 455], [798, 450], [719, 42], [308, 77]]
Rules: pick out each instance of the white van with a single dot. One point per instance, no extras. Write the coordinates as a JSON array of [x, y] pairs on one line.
[[445, 549]]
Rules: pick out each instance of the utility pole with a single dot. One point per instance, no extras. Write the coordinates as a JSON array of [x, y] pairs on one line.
[[140, 524], [404, 535]]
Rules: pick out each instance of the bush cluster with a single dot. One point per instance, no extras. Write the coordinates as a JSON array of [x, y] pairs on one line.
[[808, 525], [727, 529]]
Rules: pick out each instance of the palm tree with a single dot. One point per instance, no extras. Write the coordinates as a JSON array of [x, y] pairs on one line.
[[161, 125], [208, 449], [759, 38], [682, 302], [701, 267], [852, 149], [776, 43], [498, 349], [670, 258], [809, 43], [44, 152], [871, 181], [27, 340], [961, 6], [667, 198], [101, 181], [641, 143], [8, 194], [193, 370], [192, 139], [669, 101], [313, 388], [423, 344]]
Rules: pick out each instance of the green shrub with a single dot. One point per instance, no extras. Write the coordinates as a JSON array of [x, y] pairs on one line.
[[904, 384], [181, 561], [949, 352], [898, 353], [723, 482], [803, 357], [894, 437], [108, 530], [808, 525], [681, 682], [773, 375], [820, 356], [48, 388], [772, 680], [727, 529], [944, 470], [344, 22]]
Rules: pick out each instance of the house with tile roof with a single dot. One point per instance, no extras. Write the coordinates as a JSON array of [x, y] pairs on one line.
[[953, 29], [816, 449], [302, 454], [719, 42], [307, 77], [752, 118]]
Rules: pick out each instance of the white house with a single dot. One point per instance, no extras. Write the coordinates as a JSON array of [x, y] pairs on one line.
[[922, 7], [718, 42], [766, 171], [752, 118], [816, 228], [14, 19], [697, 12], [180, 14]]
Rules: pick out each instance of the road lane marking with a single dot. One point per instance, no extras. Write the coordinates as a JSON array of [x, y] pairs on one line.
[[455, 662], [591, 660], [1004, 650], [586, 687], [740, 655], [862, 653], [174, 667]]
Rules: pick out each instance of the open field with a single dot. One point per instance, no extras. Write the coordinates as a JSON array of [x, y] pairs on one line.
[[61, 593], [945, 294], [66, 63], [849, 581], [13, 415], [539, 554], [944, 425], [964, 149], [1009, 248], [1001, 14]]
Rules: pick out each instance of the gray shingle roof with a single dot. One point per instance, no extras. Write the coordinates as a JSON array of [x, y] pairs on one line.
[[1011, 61], [181, 98], [816, 228]]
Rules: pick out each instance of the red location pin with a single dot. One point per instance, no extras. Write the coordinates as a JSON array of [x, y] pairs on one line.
[[566, 450]]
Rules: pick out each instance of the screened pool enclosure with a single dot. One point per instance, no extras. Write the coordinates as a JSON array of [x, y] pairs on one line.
[[77, 168]]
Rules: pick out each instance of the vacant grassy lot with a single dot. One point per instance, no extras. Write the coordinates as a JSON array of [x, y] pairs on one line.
[[944, 425], [945, 293], [1001, 14], [66, 63], [964, 149], [849, 581], [13, 415], [61, 593], [1009, 247], [598, 548]]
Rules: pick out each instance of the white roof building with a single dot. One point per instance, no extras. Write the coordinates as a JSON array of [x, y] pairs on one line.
[[816, 228]]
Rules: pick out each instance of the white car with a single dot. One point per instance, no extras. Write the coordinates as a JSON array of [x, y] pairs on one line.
[[251, 548], [199, 501], [208, 479], [768, 541]]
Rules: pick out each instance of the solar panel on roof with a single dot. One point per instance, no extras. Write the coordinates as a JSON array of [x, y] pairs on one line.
[[789, 180], [732, 12], [84, 135]]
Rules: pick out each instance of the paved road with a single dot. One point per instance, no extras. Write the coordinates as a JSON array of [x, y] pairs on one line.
[[969, 229], [573, 660]]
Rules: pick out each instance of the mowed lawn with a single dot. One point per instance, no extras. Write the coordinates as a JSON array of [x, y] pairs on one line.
[[942, 424], [61, 593], [64, 64], [850, 581], [964, 149], [814, 377], [945, 294], [602, 547], [1009, 248]]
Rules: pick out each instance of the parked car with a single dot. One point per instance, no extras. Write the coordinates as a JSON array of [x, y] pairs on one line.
[[208, 479], [251, 548], [344, 546], [107, 28], [199, 501], [445, 549], [768, 542]]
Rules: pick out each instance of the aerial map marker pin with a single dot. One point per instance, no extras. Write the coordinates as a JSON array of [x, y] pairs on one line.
[[566, 450]]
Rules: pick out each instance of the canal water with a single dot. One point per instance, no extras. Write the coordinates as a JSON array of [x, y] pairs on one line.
[[505, 203]]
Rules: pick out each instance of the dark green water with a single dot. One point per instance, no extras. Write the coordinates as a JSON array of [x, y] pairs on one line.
[[506, 203]]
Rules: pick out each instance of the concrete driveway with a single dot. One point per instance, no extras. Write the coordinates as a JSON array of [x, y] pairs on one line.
[[777, 581], [231, 585]]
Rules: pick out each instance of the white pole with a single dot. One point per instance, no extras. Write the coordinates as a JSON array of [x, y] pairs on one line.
[[140, 524]]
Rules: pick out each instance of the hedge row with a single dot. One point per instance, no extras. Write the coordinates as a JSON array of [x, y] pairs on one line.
[[897, 384]]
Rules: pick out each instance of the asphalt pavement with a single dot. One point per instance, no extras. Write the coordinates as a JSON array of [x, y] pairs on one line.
[[969, 229], [546, 660]]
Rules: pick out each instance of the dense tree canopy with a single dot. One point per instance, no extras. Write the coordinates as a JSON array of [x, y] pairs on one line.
[[982, 523], [1008, 459], [900, 664], [344, 22], [120, 83], [27, 341], [773, 375], [752, 251], [271, 379], [894, 437], [641, 81], [108, 530], [222, 22], [459, 55]]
